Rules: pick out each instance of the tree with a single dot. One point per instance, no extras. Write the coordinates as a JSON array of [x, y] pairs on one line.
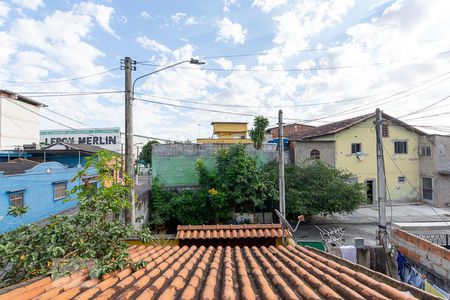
[[67, 243], [258, 132], [315, 188], [238, 178], [146, 152]]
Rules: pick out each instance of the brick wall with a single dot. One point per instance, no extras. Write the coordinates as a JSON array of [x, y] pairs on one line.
[[431, 256]]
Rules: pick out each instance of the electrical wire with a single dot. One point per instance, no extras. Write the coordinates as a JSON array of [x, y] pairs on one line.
[[409, 182], [62, 80], [297, 69], [421, 110], [72, 94]]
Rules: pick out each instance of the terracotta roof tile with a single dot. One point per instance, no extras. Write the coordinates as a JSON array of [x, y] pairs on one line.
[[291, 272], [230, 231]]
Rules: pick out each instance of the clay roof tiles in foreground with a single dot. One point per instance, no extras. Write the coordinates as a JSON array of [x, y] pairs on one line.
[[291, 272], [230, 231]]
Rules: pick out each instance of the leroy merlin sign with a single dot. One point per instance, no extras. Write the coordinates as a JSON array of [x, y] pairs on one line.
[[108, 138]]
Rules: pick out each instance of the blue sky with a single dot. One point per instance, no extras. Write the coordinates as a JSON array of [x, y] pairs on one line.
[[261, 55]]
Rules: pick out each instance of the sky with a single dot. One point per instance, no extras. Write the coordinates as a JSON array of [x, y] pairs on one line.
[[319, 61]]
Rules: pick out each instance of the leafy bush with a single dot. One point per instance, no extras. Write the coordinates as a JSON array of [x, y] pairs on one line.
[[315, 188], [160, 208], [90, 238]]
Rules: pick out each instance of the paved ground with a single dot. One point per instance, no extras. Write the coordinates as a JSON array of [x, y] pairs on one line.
[[363, 222]]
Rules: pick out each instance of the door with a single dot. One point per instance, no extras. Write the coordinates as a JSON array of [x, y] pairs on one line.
[[370, 186], [427, 188]]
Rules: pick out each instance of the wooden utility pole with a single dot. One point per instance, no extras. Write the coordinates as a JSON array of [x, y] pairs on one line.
[[281, 169], [381, 178], [129, 163]]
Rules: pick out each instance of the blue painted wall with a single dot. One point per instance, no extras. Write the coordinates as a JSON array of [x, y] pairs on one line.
[[37, 185]]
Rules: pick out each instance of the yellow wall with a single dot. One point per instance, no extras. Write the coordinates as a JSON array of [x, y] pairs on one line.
[[364, 133], [227, 129], [224, 141]]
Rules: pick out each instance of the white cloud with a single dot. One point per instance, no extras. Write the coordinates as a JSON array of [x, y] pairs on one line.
[[230, 31], [188, 20], [224, 63], [152, 44], [267, 5], [177, 17], [228, 3], [145, 15], [102, 14], [4, 10], [30, 4]]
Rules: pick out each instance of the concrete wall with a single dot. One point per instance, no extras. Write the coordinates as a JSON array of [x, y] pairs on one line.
[[37, 186], [437, 166], [327, 151], [19, 123], [434, 258], [174, 165]]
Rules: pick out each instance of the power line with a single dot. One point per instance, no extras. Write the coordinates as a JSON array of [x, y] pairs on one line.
[[208, 110], [62, 80], [421, 110], [71, 94], [299, 69], [414, 188]]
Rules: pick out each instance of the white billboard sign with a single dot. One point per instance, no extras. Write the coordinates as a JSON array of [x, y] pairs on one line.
[[108, 138]]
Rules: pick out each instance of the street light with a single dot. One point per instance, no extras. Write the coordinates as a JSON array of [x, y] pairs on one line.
[[193, 61], [129, 122]]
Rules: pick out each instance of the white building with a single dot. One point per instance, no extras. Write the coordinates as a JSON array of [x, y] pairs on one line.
[[19, 120]]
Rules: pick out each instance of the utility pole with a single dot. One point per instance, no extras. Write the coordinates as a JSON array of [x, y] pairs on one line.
[[381, 177], [281, 170], [129, 163]]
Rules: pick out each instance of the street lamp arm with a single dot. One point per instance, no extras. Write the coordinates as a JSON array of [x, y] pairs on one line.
[[159, 70]]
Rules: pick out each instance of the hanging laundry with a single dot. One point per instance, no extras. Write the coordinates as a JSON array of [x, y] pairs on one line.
[[401, 266], [349, 253], [432, 289], [415, 278]]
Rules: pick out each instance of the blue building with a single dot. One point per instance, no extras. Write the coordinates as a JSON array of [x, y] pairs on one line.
[[42, 187]]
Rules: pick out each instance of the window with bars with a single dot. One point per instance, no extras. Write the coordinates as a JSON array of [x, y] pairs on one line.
[[385, 130], [59, 190], [314, 154], [424, 151], [16, 199], [356, 147], [400, 147]]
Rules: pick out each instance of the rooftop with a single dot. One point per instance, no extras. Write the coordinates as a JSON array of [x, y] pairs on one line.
[[15, 96], [291, 272], [230, 231], [338, 126], [17, 166]]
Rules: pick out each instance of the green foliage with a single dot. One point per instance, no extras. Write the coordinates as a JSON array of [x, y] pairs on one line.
[[190, 207], [257, 134], [66, 243], [315, 188], [239, 178], [17, 211], [160, 209], [146, 152]]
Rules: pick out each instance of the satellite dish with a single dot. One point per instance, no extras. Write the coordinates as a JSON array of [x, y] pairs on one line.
[[286, 223]]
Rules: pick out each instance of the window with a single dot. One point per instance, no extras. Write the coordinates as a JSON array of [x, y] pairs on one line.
[[356, 147], [400, 147], [16, 199], [59, 190], [424, 151], [427, 188], [385, 130], [401, 179], [314, 154]]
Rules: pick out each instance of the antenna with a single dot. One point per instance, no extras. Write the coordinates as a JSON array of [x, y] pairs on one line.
[[286, 223]]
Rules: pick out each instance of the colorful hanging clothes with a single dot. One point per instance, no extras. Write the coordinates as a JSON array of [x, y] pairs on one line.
[[401, 266], [415, 279], [434, 290]]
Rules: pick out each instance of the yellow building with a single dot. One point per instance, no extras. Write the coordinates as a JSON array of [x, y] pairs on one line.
[[227, 133], [351, 144]]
